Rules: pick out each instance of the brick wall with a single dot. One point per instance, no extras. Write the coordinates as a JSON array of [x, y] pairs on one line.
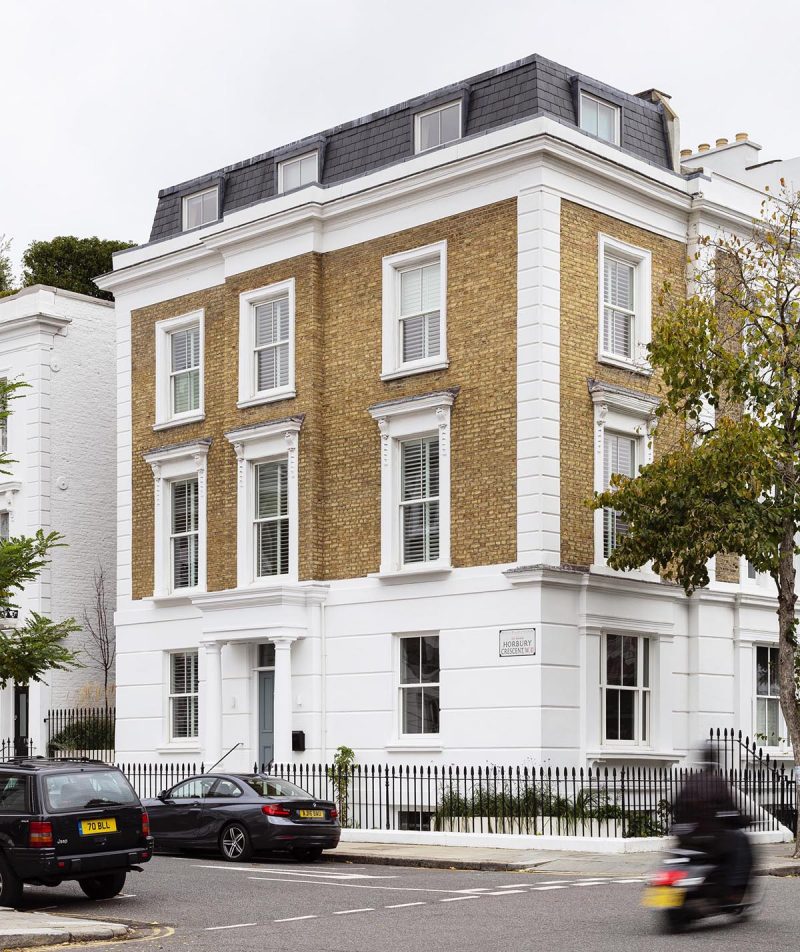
[[338, 365], [580, 228]]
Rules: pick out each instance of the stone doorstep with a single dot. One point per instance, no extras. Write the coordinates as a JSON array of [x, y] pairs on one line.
[[22, 930]]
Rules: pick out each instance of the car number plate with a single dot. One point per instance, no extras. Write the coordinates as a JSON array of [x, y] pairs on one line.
[[663, 897], [312, 814], [92, 827]]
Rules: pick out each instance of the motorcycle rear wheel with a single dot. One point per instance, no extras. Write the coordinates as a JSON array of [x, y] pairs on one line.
[[675, 921]]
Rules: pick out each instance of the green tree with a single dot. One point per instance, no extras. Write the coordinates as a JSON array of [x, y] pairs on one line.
[[27, 652], [70, 263], [729, 481], [6, 272]]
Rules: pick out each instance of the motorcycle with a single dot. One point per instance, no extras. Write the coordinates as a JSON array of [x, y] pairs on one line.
[[690, 886]]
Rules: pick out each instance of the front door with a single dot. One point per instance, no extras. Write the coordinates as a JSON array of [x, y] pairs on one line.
[[266, 716], [21, 730]]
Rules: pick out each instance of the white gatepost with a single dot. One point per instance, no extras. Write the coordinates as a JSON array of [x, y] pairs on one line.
[[282, 743], [212, 703]]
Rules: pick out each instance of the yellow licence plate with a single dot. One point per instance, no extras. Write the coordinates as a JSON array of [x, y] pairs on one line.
[[312, 814], [91, 827], [663, 897]]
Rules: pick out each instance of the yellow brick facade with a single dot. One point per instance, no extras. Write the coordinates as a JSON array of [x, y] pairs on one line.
[[338, 364], [580, 231]]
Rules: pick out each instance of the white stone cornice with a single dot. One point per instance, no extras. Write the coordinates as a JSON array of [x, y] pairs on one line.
[[196, 450], [301, 594], [607, 397], [288, 426], [429, 401]]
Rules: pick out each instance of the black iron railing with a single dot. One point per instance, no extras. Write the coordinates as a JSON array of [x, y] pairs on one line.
[[81, 732]]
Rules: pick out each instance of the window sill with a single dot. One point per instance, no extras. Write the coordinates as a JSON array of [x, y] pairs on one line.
[[636, 575], [609, 360], [169, 598], [634, 753], [421, 574], [409, 747], [179, 421], [411, 369], [274, 396], [180, 749]]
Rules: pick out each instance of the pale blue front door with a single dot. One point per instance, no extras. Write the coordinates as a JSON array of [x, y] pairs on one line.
[[266, 716]]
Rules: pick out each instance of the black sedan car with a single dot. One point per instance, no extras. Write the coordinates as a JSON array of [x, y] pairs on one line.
[[240, 814]]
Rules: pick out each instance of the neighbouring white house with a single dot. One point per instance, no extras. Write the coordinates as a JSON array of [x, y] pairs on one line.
[[61, 437], [366, 384]]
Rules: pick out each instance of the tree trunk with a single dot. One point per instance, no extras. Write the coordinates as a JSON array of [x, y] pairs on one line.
[[787, 647]]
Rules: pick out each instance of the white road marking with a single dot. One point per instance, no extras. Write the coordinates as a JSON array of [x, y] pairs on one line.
[[294, 919], [126, 896], [507, 892], [545, 888], [405, 905], [476, 889], [239, 925], [332, 882], [318, 874], [553, 882], [584, 883], [514, 886], [348, 912], [627, 880], [459, 898]]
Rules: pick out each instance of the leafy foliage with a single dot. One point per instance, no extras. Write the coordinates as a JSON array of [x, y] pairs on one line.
[[94, 732], [340, 773], [70, 263], [6, 272]]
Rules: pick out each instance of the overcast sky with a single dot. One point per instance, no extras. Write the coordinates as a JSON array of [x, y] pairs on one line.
[[106, 101]]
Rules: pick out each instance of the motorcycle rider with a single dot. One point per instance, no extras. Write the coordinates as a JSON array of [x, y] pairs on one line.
[[707, 818]]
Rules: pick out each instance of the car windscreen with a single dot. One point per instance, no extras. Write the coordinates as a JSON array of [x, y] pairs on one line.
[[67, 792], [272, 787]]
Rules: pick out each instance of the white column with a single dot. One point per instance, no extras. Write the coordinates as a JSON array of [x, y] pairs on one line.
[[212, 703], [282, 744]]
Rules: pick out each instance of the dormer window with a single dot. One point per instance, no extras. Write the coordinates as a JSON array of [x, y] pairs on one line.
[[600, 118], [437, 126], [200, 208], [297, 172]]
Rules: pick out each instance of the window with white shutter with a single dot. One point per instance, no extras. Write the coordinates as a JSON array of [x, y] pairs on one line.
[[419, 499], [183, 695], [618, 307], [625, 304], [414, 311], [619, 456], [271, 519], [185, 370], [184, 537], [179, 370], [266, 344]]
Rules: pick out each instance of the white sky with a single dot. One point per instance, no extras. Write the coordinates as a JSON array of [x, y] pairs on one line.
[[106, 101]]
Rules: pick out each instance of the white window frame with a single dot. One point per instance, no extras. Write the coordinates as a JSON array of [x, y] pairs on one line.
[[298, 158], [633, 415], [641, 260], [429, 112], [165, 418], [392, 364], [782, 731], [422, 739], [192, 739], [609, 105], [265, 443], [249, 396], [401, 420], [173, 464], [640, 692], [185, 205], [762, 583]]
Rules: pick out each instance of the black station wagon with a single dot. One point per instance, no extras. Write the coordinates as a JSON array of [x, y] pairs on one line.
[[66, 819]]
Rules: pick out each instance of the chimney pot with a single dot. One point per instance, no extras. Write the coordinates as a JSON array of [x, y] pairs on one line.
[[721, 142], [685, 153], [742, 137], [703, 147]]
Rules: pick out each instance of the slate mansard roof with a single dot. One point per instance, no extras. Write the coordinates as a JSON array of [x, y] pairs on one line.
[[521, 90]]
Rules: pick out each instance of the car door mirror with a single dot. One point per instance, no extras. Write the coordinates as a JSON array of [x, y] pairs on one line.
[[164, 795]]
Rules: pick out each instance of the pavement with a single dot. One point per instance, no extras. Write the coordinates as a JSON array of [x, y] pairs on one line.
[[34, 927]]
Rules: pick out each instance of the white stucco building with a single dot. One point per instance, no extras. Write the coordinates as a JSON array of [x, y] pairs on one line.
[[437, 646], [61, 437]]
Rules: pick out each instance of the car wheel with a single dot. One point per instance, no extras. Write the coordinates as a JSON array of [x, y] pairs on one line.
[[10, 885], [234, 843], [103, 887], [308, 853]]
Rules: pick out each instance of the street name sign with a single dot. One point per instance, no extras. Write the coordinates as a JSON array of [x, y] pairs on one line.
[[517, 642]]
